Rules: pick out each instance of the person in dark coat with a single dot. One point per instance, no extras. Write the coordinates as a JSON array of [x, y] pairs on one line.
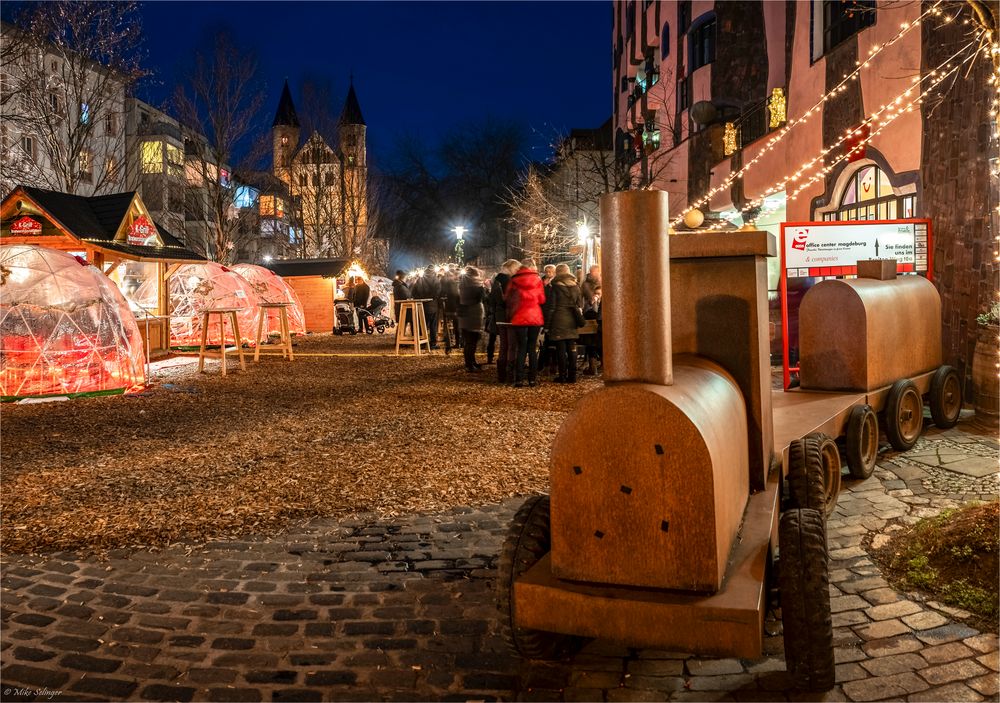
[[400, 292], [525, 296], [450, 297], [472, 296], [360, 296], [498, 321], [426, 287], [563, 304]]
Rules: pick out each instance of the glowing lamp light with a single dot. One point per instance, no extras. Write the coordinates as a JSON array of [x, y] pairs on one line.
[[460, 232], [583, 232], [268, 258], [729, 139], [693, 219], [777, 108]]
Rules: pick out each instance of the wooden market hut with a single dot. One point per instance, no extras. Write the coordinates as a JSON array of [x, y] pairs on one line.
[[108, 230], [317, 283]]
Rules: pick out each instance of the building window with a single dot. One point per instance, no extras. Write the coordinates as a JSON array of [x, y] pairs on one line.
[[28, 147], [303, 180], [329, 178], [111, 169], [111, 123], [86, 166], [224, 179], [683, 95], [839, 20], [315, 180], [629, 19], [683, 16], [175, 161], [152, 157], [868, 195], [54, 103], [665, 41], [702, 42], [267, 206], [84, 113], [284, 141]]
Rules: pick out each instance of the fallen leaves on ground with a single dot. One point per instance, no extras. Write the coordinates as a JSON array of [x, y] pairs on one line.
[[198, 457]]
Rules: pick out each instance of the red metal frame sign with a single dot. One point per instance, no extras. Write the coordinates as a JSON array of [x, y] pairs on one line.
[[832, 249]]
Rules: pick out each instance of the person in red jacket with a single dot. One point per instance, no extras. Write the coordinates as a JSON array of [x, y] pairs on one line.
[[525, 296]]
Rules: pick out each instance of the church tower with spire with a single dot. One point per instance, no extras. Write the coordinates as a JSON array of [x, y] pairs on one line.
[[285, 131], [354, 194]]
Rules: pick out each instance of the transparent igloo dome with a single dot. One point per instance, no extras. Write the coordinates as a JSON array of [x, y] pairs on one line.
[[65, 328], [194, 288], [272, 288]]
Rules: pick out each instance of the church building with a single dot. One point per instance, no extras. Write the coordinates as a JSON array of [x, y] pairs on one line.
[[328, 183]]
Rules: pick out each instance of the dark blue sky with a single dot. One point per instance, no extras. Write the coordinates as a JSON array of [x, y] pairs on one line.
[[419, 67]]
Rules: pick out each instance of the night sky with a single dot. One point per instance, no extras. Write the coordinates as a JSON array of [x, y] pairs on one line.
[[419, 67]]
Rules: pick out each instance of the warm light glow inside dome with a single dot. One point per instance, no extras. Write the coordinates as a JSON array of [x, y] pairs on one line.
[[272, 288], [65, 328], [194, 288]]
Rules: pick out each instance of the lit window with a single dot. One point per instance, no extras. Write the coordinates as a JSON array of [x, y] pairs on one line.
[[175, 161], [868, 195], [152, 157], [86, 166], [111, 169], [267, 206], [776, 106], [279, 207], [224, 180], [245, 197], [84, 113]]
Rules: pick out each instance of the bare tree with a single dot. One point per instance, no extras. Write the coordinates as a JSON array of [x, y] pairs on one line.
[[542, 228], [222, 100], [68, 68]]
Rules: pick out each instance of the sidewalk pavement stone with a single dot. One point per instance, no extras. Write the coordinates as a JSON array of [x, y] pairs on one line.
[[367, 609]]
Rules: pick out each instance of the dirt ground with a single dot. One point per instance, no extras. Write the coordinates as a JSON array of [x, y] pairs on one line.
[[346, 428]]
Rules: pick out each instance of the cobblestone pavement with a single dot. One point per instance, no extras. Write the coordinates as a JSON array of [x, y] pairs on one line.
[[403, 610]]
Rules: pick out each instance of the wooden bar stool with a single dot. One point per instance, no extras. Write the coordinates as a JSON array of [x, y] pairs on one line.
[[203, 352], [417, 336], [286, 334]]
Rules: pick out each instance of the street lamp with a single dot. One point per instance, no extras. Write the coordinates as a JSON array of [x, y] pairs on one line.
[[460, 244], [586, 240], [268, 258]]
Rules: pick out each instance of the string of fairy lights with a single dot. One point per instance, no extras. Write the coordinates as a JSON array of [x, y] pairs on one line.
[[884, 116], [905, 27]]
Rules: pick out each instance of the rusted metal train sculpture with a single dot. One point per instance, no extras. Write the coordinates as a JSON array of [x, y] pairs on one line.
[[680, 487]]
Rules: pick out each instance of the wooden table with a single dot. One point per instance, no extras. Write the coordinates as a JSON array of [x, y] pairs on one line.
[[203, 352], [286, 334], [418, 325]]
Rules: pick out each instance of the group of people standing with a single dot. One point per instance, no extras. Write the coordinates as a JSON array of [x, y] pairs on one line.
[[513, 308]]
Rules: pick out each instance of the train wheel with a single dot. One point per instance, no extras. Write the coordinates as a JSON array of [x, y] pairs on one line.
[[830, 454], [528, 540], [945, 397], [904, 415], [805, 600], [806, 475], [862, 441]]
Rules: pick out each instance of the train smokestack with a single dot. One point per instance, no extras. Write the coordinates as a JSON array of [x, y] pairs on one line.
[[635, 268]]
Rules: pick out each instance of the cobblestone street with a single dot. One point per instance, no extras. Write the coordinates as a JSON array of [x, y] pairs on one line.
[[403, 610]]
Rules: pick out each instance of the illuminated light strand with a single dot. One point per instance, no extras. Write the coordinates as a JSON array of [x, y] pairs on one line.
[[839, 88], [939, 75]]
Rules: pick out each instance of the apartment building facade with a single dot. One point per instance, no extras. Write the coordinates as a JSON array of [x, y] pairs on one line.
[[819, 110]]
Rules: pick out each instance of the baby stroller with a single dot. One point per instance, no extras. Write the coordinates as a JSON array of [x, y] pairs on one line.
[[377, 320], [345, 318]]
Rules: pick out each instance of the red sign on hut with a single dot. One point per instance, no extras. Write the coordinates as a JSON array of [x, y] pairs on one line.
[[25, 227], [142, 232]]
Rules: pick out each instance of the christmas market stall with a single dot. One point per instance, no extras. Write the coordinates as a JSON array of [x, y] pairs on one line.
[[272, 288], [194, 288], [115, 233], [65, 328], [318, 283]]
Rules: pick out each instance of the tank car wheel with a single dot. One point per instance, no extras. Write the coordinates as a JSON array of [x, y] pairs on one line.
[[830, 454], [904, 415], [806, 479], [945, 398], [805, 600], [528, 540], [862, 441]]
